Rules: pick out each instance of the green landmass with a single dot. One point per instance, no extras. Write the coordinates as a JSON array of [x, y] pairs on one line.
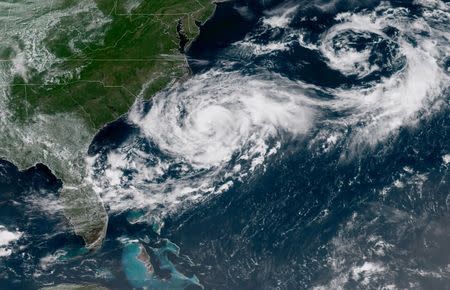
[[82, 69], [140, 47]]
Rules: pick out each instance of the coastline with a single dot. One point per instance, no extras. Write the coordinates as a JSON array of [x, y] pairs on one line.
[[82, 206]]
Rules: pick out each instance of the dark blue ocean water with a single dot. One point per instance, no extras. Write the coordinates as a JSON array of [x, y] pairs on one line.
[[307, 219]]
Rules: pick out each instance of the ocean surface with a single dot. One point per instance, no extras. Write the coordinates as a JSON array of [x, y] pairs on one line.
[[309, 150]]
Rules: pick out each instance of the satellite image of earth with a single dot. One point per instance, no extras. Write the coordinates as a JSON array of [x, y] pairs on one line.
[[234, 144]]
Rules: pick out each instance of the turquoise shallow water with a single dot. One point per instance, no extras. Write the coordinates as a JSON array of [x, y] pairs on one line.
[[135, 270], [139, 276], [312, 215]]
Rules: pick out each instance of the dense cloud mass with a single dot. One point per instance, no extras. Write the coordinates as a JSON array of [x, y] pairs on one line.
[[220, 124], [307, 149]]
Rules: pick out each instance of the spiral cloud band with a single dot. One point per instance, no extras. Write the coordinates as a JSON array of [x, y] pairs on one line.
[[199, 137]]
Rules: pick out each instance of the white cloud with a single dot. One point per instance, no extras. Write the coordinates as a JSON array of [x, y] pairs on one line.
[[6, 239]]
